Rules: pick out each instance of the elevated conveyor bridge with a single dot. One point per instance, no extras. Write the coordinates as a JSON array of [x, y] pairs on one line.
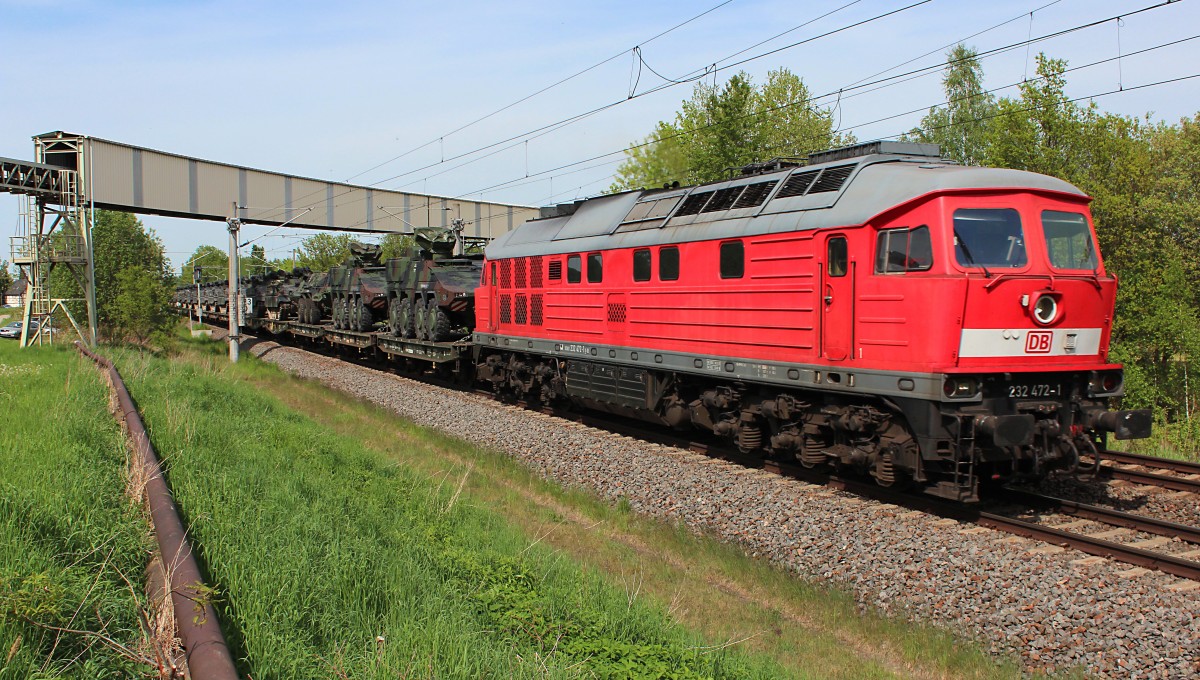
[[72, 175]]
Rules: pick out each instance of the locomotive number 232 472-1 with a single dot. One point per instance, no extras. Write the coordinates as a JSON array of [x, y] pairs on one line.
[[1034, 390]]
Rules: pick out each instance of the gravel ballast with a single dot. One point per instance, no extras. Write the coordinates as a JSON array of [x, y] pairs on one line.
[[1052, 608]]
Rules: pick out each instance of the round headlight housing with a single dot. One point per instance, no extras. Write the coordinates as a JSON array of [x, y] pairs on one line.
[[1045, 309]]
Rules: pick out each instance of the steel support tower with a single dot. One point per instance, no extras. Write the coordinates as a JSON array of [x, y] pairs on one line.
[[54, 234]]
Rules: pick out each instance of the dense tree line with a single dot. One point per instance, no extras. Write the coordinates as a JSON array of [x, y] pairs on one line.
[[134, 282], [1144, 177]]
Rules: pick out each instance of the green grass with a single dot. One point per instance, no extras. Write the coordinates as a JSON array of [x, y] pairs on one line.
[[346, 542], [69, 539], [330, 559]]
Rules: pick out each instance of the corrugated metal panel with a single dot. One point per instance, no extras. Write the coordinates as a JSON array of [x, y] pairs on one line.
[[136, 179], [112, 173], [161, 178], [265, 190], [217, 189]]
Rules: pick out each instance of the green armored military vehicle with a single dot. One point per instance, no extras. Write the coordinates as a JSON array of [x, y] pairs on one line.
[[431, 291], [359, 289], [313, 304]]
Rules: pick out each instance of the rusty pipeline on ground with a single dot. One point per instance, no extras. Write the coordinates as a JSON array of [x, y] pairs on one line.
[[204, 645]]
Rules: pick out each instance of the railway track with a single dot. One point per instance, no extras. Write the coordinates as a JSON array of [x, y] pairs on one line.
[[1177, 475], [1170, 547], [1141, 552], [1133, 539]]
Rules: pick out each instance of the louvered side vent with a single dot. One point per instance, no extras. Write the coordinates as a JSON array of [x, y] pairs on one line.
[[535, 312], [755, 194], [505, 309], [522, 309], [555, 270], [832, 179], [723, 199], [521, 266], [506, 273], [797, 184], [693, 204], [535, 272]]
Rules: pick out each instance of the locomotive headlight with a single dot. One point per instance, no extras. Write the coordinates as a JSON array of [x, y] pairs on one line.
[[960, 387], [1045, 309]]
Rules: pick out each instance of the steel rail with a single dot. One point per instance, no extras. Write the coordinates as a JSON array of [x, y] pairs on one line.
[[204, 646], [1117, 518], [1169, 564], [1184, 466], [1152, 479]]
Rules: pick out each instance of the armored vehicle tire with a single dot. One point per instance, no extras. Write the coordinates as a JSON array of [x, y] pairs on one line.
[[402, 318], [437, 323], [360, 316], [421, 329]]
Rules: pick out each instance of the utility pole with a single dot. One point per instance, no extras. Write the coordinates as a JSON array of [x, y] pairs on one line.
[[235, 289]]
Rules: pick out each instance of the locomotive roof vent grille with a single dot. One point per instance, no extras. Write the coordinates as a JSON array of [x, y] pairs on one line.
[[797, 184], [876, 147], [693, 204], [723, 199], [755, 194], [831, 179]]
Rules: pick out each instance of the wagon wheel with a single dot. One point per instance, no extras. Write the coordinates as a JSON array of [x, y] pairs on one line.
[[437, 323]]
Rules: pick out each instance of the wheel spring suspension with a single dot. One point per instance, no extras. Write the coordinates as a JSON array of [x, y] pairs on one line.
[[885, 469], [750, 437], [813, 453]]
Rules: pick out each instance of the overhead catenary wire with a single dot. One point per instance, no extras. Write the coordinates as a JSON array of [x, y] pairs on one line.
[[903, 77], [898, 78], [580, 116]]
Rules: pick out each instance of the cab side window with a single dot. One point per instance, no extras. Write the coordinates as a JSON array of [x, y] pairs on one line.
[[641, 264], [574, 269], [595, 267], [903, 250], [668, 264], [837, 257], [733, 260]]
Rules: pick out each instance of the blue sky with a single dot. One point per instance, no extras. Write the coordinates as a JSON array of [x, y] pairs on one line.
[[331, 90]]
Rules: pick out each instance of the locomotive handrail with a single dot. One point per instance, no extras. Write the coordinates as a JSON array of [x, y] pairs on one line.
[[1093, 278]]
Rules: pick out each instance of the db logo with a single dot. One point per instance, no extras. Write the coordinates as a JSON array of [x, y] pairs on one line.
[[1038, 342]]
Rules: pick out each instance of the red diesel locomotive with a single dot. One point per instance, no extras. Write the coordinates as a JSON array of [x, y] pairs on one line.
[[878, 308]]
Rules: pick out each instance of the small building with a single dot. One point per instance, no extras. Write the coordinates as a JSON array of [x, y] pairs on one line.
[[15, 295]]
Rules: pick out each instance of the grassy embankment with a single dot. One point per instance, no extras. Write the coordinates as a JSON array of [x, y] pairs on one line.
[[346, 540], [69, 539]]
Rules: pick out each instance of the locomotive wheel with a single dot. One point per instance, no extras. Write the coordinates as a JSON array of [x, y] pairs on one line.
[[422, 328], [438, 323]]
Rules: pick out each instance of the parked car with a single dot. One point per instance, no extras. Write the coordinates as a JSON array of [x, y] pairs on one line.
[[13, 330]]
